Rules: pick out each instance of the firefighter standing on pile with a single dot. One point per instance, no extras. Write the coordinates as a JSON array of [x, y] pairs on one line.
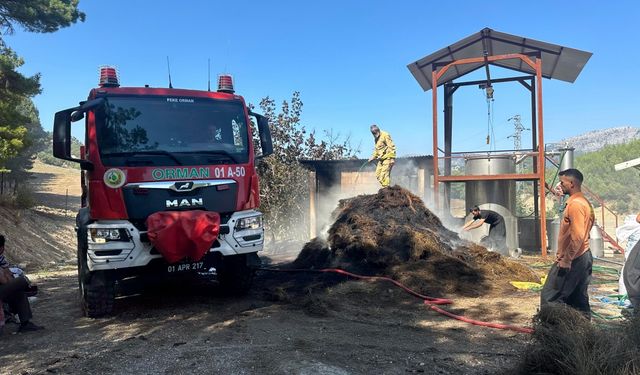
[[385, 152]]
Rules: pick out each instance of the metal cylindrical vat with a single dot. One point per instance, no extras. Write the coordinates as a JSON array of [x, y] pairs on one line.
[[501, 192], [596, 242], [498, 196]]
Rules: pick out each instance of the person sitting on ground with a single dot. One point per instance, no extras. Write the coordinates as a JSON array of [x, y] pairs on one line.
[[497, 232], [13, 291]]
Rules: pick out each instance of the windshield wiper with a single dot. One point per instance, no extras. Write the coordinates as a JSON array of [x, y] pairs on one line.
[[146, 153], [218, 153]]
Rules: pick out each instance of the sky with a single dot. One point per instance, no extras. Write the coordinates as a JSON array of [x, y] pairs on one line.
[[348, 60]]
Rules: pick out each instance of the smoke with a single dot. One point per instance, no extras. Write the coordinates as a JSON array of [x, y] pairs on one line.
[[328, 201], [449, 221], [405, 173], [318, 217], [409, 176]]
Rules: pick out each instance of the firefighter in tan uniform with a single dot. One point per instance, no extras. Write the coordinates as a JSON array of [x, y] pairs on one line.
[[385, 152]]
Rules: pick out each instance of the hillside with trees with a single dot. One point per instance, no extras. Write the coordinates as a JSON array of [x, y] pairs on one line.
[[595, 140], [618, 188]]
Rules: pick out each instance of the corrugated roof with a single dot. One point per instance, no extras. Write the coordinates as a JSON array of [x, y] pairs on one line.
[[558, 62]]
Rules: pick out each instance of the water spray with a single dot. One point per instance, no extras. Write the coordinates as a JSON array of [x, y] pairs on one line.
[[360, 170]]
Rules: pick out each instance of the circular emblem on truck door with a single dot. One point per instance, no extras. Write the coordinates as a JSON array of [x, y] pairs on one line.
[[114, 178]]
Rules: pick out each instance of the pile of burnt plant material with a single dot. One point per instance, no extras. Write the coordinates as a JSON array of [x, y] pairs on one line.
[[565, 342], [392, 233]]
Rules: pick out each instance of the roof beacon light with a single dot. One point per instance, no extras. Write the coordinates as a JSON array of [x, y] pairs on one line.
[[109, 76], [225, 83]]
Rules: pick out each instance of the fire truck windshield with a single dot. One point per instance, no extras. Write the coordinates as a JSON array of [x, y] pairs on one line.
[[154, 130]]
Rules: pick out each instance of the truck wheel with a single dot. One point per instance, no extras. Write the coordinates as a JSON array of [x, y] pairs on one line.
[[236, 276], [97, 289], [99, 295]]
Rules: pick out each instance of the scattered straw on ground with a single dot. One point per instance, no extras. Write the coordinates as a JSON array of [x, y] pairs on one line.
[[565, 342]]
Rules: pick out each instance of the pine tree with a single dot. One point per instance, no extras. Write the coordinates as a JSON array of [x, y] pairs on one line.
[[18, 128]]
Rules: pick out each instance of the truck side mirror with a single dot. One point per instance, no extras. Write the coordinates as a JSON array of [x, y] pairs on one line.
[[62, 138], [62, 134], [265, 135]]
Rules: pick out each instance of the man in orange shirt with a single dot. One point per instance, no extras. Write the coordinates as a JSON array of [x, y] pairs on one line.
[[570, 275]]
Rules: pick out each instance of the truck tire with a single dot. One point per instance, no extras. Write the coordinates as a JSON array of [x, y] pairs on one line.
[[236, 276], [97, 289], [99, 295]]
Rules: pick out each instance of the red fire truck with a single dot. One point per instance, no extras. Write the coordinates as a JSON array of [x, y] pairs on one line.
[[169, 186]]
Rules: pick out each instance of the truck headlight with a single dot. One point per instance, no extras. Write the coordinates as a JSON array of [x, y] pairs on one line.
[[102, 235], [253, 222]]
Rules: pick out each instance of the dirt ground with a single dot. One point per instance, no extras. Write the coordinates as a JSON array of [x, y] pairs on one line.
[[350, 328], [288, 323], [44, 235]]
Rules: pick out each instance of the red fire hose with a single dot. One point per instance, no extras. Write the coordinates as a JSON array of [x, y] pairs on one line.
[[431, 302]]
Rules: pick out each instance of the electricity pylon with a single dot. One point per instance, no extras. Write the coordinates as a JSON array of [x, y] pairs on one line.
[[518, 129]]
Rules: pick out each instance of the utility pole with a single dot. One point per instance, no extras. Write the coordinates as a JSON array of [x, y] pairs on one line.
[[519, 128]]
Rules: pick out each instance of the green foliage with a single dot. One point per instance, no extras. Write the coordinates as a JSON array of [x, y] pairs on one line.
[[284, 184], [11, 141], [618, 188], [15, 89], [13, 85], [36, 140], [39, 16], [24, 197], [21, 134], [16, 194]]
